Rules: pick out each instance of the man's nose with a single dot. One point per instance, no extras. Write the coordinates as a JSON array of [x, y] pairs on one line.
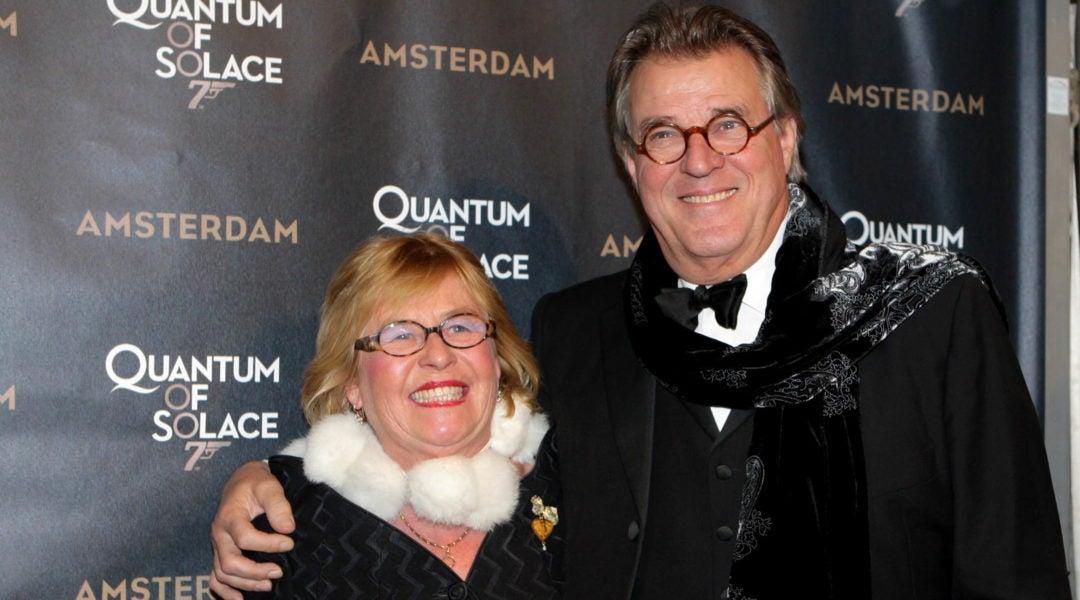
[[700, 159]]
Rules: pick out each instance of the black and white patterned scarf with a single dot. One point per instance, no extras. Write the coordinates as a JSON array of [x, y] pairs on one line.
[[803, 521]]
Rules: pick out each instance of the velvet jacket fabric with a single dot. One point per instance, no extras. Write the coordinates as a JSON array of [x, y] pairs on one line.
[[959, 503]]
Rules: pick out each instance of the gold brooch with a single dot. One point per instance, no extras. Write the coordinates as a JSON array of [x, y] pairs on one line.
[[547, 517]]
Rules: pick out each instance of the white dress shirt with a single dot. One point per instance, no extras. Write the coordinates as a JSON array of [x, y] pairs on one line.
[[751, 311]]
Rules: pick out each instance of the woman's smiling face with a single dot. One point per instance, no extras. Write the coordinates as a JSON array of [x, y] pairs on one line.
[[437, 402]]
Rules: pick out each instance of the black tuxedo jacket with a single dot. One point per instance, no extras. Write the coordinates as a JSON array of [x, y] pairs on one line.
[[960, 500]]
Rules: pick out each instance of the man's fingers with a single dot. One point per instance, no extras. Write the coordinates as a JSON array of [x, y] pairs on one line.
[[251, 491], [227, 586], [233, 570], [250, 538], [245, 574], [242, 500], [232, 530], [224, 592], [271, 497]]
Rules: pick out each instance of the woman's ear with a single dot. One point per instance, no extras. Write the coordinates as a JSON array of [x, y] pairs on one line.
[[352, 394]]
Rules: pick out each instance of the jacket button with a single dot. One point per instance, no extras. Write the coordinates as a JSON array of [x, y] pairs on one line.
[[723, 472], [725, 533], [457, 592], [633, 531]]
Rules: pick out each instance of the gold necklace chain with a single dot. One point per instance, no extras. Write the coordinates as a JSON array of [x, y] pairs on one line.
[[448, 558]]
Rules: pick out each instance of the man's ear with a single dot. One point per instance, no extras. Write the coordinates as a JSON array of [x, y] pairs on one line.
[[629, 161], [789, 137]]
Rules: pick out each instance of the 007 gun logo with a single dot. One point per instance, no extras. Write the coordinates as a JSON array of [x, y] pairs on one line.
[[202, 451], [207, 90]]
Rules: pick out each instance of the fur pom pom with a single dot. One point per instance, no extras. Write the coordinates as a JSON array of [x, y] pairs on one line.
[[538, 428], [347, 456], [479, 492], [297, 447], [517, 437]]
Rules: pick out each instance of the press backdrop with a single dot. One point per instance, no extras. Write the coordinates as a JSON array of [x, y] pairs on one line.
[[179, 179]]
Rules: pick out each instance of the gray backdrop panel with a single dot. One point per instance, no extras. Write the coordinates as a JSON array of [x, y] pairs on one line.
[[176, 188]]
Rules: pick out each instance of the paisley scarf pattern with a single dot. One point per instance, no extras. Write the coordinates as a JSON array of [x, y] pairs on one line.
[[803, 512]]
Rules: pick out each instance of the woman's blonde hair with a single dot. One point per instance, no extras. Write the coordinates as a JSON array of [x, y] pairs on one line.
[[389, 272]]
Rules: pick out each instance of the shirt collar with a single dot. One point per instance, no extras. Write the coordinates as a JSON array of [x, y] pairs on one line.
[[752, 312]]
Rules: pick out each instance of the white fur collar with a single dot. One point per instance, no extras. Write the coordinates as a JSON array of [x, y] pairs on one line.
[[478, 492]]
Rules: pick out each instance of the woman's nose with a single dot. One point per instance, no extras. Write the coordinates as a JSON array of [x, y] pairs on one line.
[[436, 352]]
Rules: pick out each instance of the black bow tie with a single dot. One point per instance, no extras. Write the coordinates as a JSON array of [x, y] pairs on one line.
[[684, 304]]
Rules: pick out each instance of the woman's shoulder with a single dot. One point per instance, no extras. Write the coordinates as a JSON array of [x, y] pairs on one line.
[[290, 472]]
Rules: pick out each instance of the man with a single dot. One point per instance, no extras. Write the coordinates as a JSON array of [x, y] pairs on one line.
[[837, 422]]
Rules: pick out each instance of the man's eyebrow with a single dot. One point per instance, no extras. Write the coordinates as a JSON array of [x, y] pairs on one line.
[[739, 111], [649, 123]]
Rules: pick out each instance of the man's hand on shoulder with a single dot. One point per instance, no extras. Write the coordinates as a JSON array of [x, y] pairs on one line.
[[251, 491]]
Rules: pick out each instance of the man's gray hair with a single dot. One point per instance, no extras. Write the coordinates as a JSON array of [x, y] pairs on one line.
[[692, 32]]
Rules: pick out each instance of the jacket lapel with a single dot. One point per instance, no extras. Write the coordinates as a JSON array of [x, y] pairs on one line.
[[630, 394], [735, 419]]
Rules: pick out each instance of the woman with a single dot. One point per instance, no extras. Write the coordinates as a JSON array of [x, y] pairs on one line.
[[417, 478]]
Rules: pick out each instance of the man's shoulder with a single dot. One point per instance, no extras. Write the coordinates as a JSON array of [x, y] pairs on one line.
[[927, 271], [599, 291], [587, 302]]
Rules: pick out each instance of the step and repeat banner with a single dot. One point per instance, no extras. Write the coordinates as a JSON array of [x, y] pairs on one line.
[[179, 179]]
